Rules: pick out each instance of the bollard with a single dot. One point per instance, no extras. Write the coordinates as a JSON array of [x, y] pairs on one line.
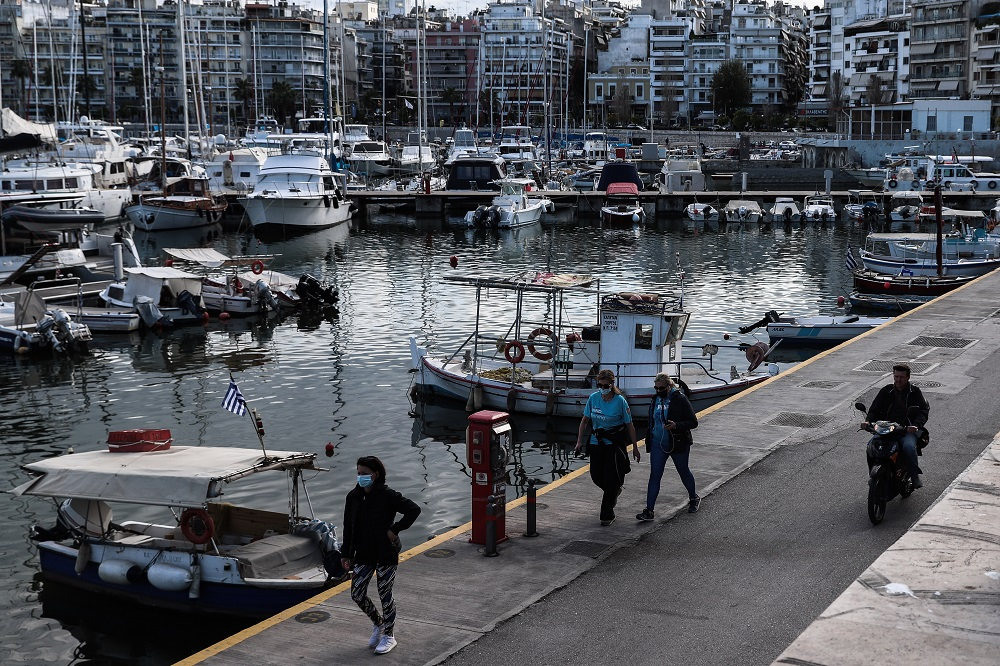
[[532, 508], [491, 527]]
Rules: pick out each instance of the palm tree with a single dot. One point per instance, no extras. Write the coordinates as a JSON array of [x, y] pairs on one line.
[[451, 97], [20, 69], [282, 100], [244, 93]]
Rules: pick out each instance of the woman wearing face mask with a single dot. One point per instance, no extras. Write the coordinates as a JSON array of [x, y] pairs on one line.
[[671, 420], [371, 545], [607, 417]]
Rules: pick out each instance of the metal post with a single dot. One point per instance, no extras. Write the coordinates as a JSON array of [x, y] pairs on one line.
[[532, 508], [491, 527]]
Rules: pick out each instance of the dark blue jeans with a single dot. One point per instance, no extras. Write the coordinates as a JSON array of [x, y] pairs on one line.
[[658, 462]]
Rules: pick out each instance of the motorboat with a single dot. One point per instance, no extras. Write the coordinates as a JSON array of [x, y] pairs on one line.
[[415, 156], [537, 363], [813, 330], [42, 219], [915, 254], [516, 144], [235, 172], [621, 185], [464, 143], [370, 158], [476, 172], [162, 295], [297, 191], [185, 550], [905, 206], [818, 208], [742, 211], [681, 174], [61, 185], [27, 326], [863, 205], [596, 148], [184, 203], [784, 210], [895, 303], [511, 208], [245, 286], [702, 212], [871, 282]]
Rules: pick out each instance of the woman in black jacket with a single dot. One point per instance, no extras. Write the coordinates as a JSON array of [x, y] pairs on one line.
[[371, 545]]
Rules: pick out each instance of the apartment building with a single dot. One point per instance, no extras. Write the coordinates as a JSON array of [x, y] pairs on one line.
[[877, 50], [940, 46]]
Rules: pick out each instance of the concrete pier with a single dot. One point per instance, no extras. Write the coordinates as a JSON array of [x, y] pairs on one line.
[[780, 565]]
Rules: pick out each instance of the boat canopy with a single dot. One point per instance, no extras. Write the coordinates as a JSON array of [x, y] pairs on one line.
[[181, 476], [619, 172], [622, 188]]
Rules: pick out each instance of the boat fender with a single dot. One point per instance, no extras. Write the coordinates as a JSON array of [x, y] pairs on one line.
[[197, 526], [119, 572], [336, 203], [514, 351], [201, 212], [257, 267], [501, 345], [326, 200], [195, 590], [893, 183], [82, 557], [541, 356], [992, 184], [755, 354], [477, 396], [573, 337], [511, 399], [168, 577]]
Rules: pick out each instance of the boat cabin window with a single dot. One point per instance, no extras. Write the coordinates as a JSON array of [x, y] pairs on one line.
[[328, 183], [643, 336], [678, 324], [115, 292]]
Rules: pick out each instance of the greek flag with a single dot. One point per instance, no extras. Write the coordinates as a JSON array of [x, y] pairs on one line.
[[234, 401], [851, 262]]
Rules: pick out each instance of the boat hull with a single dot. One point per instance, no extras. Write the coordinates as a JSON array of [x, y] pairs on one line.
[[928, 267], [833, 331], [148, 217], [875, 283], [238, 599], [311, 212]]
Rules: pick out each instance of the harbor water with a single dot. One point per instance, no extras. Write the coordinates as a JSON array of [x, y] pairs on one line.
[[344, 379]]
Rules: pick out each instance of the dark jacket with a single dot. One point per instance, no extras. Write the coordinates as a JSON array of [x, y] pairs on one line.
[[885, 406], [367, 519], [682, 414]]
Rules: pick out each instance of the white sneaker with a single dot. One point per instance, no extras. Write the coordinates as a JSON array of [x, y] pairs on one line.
[[376, 636], [385, 645]]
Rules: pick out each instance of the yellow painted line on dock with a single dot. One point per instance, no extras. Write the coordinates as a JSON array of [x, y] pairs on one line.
[[325, 595]]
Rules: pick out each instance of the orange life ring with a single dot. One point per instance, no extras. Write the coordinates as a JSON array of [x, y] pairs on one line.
[[197, 526], [257, 267], [514, 351], [541, 356]]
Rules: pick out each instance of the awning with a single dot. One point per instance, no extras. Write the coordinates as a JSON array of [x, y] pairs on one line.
[[819, 90], [948, 85], [860, 80], [822, 22], [986, 52], [922, 49], [869, 57]]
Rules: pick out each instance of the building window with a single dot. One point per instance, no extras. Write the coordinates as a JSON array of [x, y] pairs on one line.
[[600, 90], [932, 123], [611, 91], [967, 124], [639, 95], [632, 71]]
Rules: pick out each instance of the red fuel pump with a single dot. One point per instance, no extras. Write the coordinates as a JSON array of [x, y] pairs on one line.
[[488, 450]]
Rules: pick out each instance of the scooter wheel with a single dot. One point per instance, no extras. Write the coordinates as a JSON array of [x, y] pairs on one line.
[[907, 488], [876, 501]]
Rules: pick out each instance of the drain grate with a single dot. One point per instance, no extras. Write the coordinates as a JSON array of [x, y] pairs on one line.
[[799, 420], [823, 385], [950, 343], [927, 384], [877, 365], [592, 549]]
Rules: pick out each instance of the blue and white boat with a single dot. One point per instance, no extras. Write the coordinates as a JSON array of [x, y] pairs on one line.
[[197, 554], [815, 329]]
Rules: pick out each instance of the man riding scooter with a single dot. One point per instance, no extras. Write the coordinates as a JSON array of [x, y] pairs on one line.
[[894, 403]]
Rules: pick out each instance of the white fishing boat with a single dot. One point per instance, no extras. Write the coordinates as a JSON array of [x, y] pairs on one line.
[[184, 203], [905, 206], [464, 143], [161, 295], [818, 208], [784, 210], [702, 212], [742, 211], [415, 156], [540, 364], [814, 330], [511, 208], [863, 205], [915, 254], [516, 144], [297, 191], [185, 550]]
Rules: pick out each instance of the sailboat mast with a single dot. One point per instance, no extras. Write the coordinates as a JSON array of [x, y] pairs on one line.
[[181, 26], [327, 97], [163, 118], [420, 96], [86, 72]]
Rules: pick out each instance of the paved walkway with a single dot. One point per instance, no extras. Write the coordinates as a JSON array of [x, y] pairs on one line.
[[782, 533]]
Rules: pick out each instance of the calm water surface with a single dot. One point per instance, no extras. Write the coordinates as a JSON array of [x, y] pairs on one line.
[[344, 379]]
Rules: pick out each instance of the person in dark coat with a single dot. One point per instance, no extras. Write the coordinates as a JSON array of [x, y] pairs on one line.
[[893, 403], [371, 545], [668, 435]]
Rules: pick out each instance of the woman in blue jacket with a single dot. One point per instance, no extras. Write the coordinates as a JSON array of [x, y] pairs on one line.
[[671, 420], [371, 545], [607, 416]]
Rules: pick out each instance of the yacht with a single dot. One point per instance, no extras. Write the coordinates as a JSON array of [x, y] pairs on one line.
[[370, 158], [235, 172], [818, 208], [476, 172], [415, 156], [516, 144], [464, 144], [297, 190], [37, 184], [784, 210]]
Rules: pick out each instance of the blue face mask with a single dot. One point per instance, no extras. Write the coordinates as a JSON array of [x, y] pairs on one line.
[[605, 391], [364, 480]]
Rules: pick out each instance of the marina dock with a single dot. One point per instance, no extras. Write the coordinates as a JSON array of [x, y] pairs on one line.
[[781, 564]]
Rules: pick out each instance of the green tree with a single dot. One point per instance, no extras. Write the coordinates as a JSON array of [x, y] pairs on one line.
[[451, 97], [731, 87], [282, 101], [21, 71], [244, 94], [836, 94]]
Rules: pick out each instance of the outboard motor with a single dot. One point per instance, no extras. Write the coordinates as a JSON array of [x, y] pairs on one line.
[[493, 216], [770, 317], [188, 305], [48, 329], [479, 215], [312, 292], [265, 296], [150, 314]]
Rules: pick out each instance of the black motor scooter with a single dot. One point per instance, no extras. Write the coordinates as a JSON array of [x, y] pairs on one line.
[[887, 472]]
